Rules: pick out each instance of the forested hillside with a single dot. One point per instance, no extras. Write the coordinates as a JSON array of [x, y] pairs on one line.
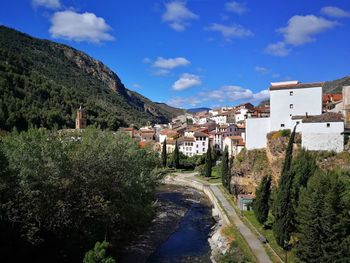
[[42, 83]]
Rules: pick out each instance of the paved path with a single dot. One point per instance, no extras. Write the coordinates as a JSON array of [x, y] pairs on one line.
[[252, 240]]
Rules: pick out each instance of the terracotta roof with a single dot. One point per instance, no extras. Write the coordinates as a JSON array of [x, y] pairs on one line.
[[297, 86], [326, 117], [147, 131], [332, 97], [168, 132], [200, 134], [188, 139]]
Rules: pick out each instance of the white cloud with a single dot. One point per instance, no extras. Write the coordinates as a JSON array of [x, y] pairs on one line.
[[182, 101], [262, 70], [186, 81], [51, 4], [225, 94], [302, 29], [161, 72], [236, 7], [178, 15], [230, 32], [278, 49], [79, 27], [333, 11], [170, 63]]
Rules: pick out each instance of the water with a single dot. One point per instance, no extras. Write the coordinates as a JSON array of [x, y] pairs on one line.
[[189, 242]]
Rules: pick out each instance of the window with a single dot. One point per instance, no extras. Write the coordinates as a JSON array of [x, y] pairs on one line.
[[197, 150], [282, 125], [203, 143], [291, 93], [291, 106], [203, 150], [328, 125], [197, 145]]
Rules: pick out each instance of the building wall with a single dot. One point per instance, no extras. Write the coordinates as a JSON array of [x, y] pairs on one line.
[[256, 130], [302, 100], [319, 137]]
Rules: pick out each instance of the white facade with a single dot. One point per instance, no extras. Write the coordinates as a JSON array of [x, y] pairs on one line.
[[241, 114], [233, 147], [195, 145], [256, 131], [322, 136], [288, 102]]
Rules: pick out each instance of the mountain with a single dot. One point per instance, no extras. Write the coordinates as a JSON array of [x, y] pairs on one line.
[[43, 83], [195, 110], [336, 86]]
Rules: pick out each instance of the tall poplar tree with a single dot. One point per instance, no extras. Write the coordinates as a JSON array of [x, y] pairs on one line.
[[208, 163], [164, 154], [283, 206], [225, 168], [176, 156], [261, 202]]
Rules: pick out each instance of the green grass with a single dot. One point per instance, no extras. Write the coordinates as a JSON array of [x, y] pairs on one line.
[[239, 250], [269, 236], [268, 233], [215, 176]]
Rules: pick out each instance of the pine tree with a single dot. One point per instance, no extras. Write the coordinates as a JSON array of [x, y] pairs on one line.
[[176, 156], [225, 168], [323, 220], [208, 162], [261, 202], [283, 206], [164, 154]]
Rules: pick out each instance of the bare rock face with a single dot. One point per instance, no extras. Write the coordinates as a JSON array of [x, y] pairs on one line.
[[93, 67]]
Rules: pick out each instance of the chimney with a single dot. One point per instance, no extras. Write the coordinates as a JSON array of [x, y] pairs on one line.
[[307, 115]]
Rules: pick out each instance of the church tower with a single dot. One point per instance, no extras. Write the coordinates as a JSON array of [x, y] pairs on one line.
[[80, 121]]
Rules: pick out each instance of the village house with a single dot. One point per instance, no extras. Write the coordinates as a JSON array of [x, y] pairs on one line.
[[221, 132], [194, 143], [293, 103], [323, 132], [235, 144], [167, 134], [330, 101], [224, 117]]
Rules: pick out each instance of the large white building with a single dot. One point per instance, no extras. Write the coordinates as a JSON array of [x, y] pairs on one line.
[[292, 103], [194, 143]]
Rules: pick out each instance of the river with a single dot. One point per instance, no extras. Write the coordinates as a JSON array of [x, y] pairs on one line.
[[179, 232]]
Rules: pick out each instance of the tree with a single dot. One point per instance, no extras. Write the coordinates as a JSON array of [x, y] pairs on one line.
[[283, 208], [176, 156], [261, 202], [323, 219], [224, 171], [303, 166], [164, 154], [208, 162], [98, 254]]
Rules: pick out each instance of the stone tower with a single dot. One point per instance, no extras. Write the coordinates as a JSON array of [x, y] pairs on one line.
[[80, 121]]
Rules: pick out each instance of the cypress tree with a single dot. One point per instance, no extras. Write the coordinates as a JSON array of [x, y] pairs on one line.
[[164, 154], [283, 206], [176, 156], [304, 166], [208, 163], [224, 168], [323, 220], [261, 202]]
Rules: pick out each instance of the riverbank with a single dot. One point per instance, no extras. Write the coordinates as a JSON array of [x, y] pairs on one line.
[[179, 231], [251, 245], [219, 243]]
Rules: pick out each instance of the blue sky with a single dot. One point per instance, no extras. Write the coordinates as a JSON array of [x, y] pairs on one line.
[[198, 52]]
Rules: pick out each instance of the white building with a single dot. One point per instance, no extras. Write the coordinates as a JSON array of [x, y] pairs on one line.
[[323, 132], [224, 117], [290, 103], [194, 143], [234, 144]]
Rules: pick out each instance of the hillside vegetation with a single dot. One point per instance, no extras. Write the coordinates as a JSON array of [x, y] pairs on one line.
[[42, 83]]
